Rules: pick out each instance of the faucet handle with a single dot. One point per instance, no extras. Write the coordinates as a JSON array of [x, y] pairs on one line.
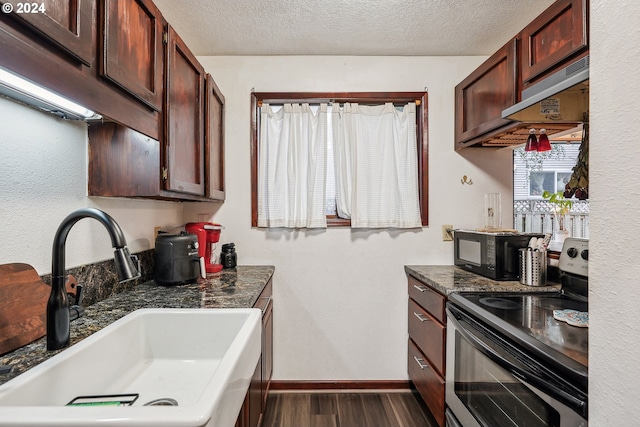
[[78, 297]]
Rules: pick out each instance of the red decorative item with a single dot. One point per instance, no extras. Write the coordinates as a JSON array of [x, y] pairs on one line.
[[543, 141], [532, 141]]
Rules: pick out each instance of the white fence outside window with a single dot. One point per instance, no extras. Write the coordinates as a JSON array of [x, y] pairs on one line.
[[536, 216], [550, 172]]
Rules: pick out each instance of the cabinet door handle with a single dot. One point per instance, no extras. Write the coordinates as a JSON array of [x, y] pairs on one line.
[[267, 303], [420, 288], [419, 362], [421, 317]]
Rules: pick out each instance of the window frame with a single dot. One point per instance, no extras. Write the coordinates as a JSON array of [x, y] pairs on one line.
[[555, 173], [422, 128]]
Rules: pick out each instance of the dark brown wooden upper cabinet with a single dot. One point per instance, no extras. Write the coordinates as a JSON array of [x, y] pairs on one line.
[[66, 24], [132, 48], [184, 118], [481, 96], [558, 33], [214, 140]]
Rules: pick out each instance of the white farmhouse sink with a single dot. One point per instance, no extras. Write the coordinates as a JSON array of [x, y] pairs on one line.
[[201, 358]]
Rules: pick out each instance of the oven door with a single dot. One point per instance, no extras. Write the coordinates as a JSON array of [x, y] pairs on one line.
[[490, 382]]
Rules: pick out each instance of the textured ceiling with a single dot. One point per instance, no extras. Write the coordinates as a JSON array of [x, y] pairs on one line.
[[348, 27]]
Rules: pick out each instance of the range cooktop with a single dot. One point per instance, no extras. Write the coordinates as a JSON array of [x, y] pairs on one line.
[[530, 316], [527, 319]]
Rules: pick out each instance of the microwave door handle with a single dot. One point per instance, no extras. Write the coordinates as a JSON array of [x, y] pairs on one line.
[[510, 262], [519, 370]]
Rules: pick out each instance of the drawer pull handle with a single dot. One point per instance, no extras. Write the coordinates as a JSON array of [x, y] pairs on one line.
[[421, 317], [419, 362], [420, 288], [267, 303]]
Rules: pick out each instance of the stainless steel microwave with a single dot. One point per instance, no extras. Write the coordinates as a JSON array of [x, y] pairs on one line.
[[493, 255]]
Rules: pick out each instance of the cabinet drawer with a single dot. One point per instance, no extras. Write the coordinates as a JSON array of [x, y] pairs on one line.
[[429, 384], [428, 334], [430, 300]]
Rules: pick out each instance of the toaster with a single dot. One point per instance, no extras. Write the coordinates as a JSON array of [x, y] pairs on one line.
[[176, 259]]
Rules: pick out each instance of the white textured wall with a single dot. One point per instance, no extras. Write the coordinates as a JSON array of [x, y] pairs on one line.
[[614, 300], [341, 295], [43, 178]]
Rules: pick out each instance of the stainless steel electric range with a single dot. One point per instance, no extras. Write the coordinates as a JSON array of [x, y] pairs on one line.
[[521, 359]]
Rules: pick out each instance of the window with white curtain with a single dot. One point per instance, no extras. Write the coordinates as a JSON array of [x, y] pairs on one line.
[[339, 159]]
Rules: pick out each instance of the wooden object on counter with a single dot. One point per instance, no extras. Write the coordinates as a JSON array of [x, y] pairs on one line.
[[23, 302], [23, 305], [427, 345]]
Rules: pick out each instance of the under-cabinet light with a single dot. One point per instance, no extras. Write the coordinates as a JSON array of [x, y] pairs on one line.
[[23, 90]]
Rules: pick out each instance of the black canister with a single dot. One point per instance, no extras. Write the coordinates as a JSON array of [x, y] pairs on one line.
[[228, 256]]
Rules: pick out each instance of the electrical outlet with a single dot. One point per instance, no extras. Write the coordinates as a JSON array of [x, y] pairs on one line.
[[447, 232]]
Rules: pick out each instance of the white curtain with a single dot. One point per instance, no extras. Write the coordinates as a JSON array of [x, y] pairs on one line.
[[292, 162], [376, 163]]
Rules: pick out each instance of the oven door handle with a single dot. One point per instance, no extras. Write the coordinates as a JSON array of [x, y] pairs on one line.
[[492, 348]]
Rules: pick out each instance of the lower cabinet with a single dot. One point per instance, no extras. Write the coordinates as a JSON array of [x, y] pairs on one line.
[[255, 401], [428, 382], [427, 345]]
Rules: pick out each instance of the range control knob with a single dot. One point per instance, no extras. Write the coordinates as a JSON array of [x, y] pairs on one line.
[[585, 254], [572, 252]]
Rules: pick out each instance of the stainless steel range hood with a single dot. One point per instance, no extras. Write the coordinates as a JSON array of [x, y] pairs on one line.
[[560, 98]]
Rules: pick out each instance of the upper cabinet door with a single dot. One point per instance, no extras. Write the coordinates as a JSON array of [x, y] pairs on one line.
[[214, 140], [558, 33], [66, 24], [481, 97], [132, 48], [184, 118]]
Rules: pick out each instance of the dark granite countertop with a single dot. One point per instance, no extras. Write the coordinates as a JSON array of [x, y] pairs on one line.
[[233, 288], [449, 278]]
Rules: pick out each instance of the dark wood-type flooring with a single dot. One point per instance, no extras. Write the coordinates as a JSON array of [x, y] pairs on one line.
[[346, 409]]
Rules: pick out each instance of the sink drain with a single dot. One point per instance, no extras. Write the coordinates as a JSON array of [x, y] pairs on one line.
[[165, 401]]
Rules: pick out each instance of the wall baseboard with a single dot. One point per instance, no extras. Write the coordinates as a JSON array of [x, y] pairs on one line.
[[287, 385]]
